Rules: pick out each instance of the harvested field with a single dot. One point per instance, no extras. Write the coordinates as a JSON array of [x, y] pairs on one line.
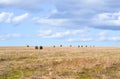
[[60, 63]]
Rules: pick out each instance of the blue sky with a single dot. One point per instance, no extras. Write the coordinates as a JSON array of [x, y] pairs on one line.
[[55, 22]]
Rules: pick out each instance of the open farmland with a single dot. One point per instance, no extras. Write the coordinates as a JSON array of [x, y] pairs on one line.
[[60, 63]]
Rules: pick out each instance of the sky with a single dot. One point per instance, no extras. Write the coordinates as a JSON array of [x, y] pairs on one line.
[[56, 22]]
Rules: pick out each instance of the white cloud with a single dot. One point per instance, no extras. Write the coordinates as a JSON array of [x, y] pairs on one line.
[[107, 36], [51, 34], [102, 34], [8, 2], [114, 39], [79, 31], [99, 39], [92, 1], [59, 34], [79, 40], [99, 36], [72, 13], [31, 5], [7, 17], [8, 36], [52, 22], [20, 18], [44, 33], [51, 12], [107, 20], [80, 35]]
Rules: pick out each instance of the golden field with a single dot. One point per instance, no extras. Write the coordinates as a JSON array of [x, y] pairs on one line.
[[60, 63]]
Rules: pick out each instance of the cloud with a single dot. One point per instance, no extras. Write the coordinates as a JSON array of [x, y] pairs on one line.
[[89, 13], [9, 2], [20, 18], [7, 17], [107, 36], [99, 39], [98, 36], [9, 36], [82, 12], [37, 5], [51, 34], [69, 35], [52, 22], [102, 34], [99, 14], [107, 21], [44, 33], [80, 39], [114, 38], [61, 22]]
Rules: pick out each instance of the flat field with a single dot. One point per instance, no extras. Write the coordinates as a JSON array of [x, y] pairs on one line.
[[60, 63]]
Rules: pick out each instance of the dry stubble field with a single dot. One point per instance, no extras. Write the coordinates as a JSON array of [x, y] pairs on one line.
[[60, 63]]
